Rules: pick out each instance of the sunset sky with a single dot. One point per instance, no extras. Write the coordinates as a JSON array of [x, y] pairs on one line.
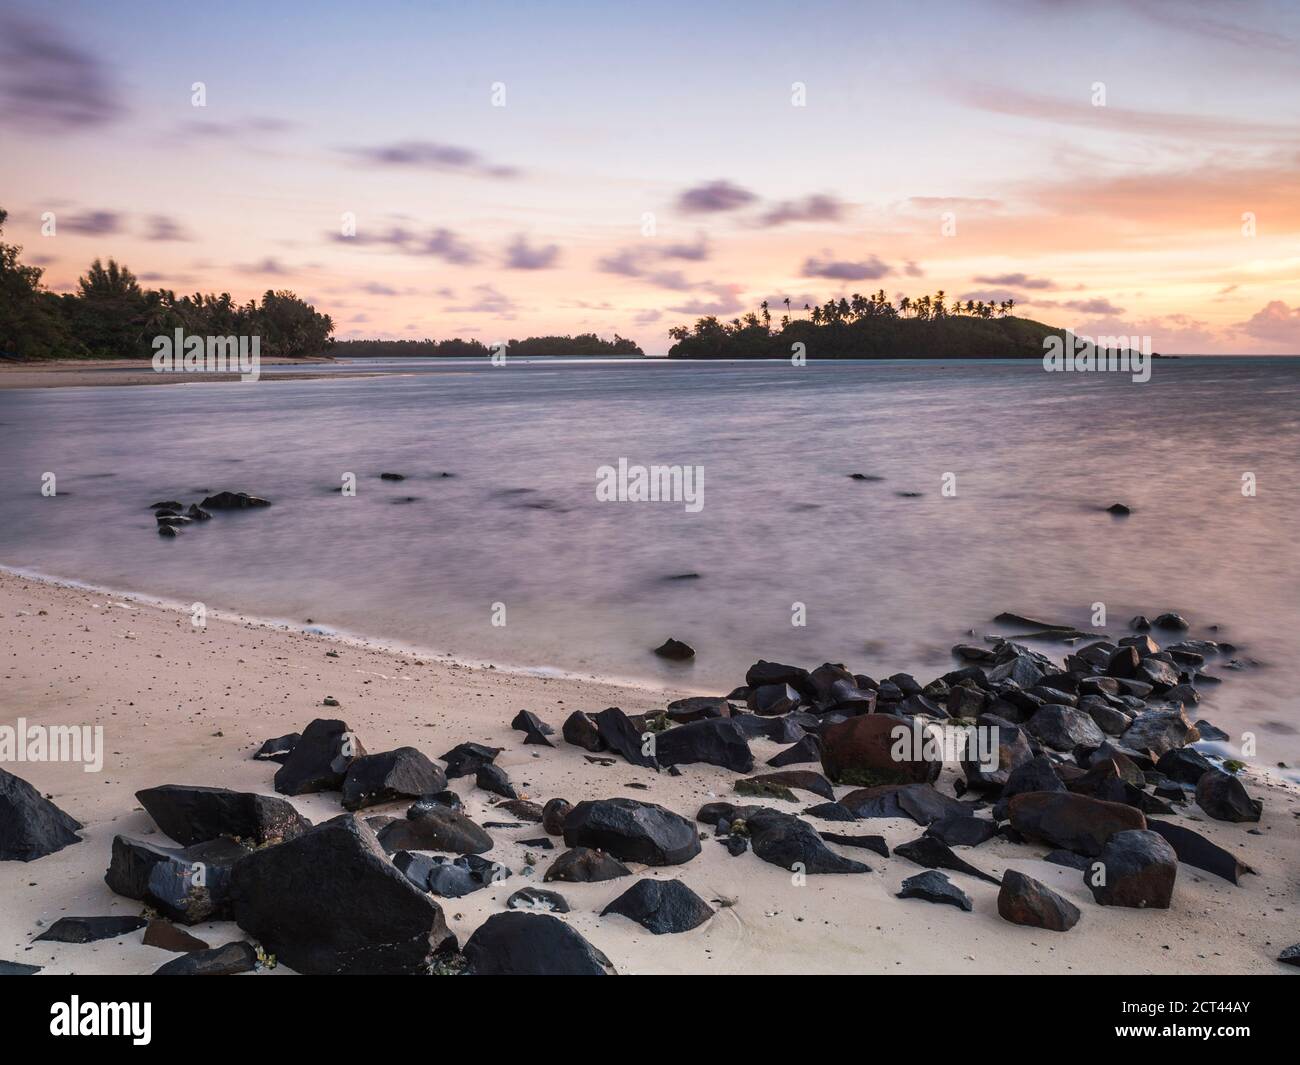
[[492, 222]]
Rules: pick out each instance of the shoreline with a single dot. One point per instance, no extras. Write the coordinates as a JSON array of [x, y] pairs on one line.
[[83, 373], [187, 706]]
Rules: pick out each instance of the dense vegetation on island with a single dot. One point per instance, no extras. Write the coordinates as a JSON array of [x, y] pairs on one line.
[[585, 344], [868, 327], [112, 316]]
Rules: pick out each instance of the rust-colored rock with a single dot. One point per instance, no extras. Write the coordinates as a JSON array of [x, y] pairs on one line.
[[877, 749]]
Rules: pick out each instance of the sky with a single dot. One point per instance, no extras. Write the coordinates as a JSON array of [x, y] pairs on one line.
[[502, 169]]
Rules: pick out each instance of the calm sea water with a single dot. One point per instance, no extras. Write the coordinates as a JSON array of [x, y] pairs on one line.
[[887, 582]]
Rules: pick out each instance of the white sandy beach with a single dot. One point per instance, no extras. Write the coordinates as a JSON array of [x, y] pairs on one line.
[[187, 706]]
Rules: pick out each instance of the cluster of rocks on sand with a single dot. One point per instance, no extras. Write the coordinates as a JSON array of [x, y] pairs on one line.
[[1093, 765]]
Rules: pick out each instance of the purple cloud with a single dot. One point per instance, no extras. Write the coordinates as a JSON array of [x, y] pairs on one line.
[[1017, 281], [163, 228], [91, 224], [49, 85], [521, 256], [437, 243], [811, 209], [714, 197], [430, 155], [838, 270]]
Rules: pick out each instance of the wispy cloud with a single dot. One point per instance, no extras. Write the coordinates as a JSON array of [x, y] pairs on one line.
[[438, 243], [869, 269], [91, 223], [1016, 280], [163, 228], [431, 155], [50, 85], [818, 208]]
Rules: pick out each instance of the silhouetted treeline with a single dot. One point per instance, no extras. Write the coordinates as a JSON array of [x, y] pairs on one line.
[[112, 316], [585, 344], [867, 327]]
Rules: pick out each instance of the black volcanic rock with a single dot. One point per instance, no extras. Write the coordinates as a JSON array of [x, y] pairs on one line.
[[192, 814], [934, 887], [537, 900], [1024, 900], [535, 730], [581, 730], [531, 944], [661, 906], [225, 960], [553, 815], [623, 737], [330, 901], [1077, 823], [1185, 765], [188, 885], [875, 844], [584, 865], [787, 841], [933, 853], [233, 501], [808, 749], [320, 760], [632, 831], [491, 777], [30, 825], [1194, 849], [962, 830], [675, 650], [277, 749], [89, 929], [405, 773], [436, 828], [1139, 870], [1224, 797], [715, 741], [464, 759]]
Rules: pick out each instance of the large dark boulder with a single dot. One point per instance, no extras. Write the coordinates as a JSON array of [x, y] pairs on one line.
[[193, 814], [330, 901], [320, 760], [715, 741], [1063, 728], [531, 944], [877, 749], [1159, 731], [30, 825], [405, 773], [1024, 900], [632, 831], [189, 884], [785, 840], [430, 827], [1135, 868], [1224, 797], [661, 906], [1075, 822], [991, 774], [763, 672], [586, 865], [1185, 765]]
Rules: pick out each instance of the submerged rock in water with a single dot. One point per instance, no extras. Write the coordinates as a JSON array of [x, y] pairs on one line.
[[675, 650], [233, 501]]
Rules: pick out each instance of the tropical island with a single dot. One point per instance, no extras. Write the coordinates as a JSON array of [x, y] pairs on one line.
[[584, 345], [867, 327]]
